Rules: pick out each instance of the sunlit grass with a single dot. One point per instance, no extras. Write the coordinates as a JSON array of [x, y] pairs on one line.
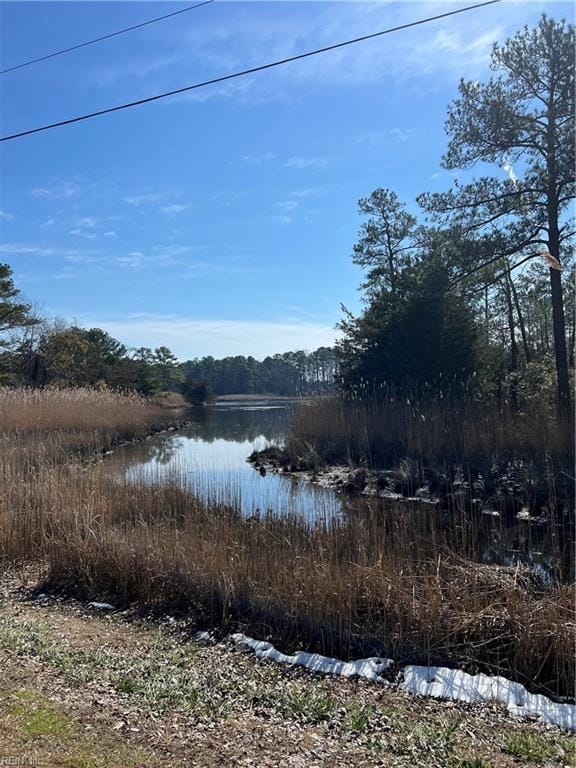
[[379, 581], [435, 441]]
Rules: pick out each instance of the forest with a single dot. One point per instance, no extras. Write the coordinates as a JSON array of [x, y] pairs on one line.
[[38, 353]]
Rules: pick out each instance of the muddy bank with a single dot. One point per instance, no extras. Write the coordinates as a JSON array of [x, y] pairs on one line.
[[343, 479], [172, 424], [247, 398], [508, 493]]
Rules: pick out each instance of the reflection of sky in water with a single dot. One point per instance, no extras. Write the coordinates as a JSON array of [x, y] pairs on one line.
[[210, 459]]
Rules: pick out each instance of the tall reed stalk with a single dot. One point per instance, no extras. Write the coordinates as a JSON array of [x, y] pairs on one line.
[[379, 581], [442, 440]]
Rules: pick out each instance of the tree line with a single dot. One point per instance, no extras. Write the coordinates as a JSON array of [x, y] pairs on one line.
[[291, 373], [469, 296], [38, 353], [473, 295]]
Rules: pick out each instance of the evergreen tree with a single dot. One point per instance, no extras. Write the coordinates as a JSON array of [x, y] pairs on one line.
[[14, 313], [385, 244], [521, 120]]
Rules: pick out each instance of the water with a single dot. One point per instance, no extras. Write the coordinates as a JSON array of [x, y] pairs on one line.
[[209, 458]]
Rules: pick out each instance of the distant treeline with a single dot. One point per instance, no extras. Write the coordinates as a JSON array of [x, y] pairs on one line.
[[37, 353], [291, 373]]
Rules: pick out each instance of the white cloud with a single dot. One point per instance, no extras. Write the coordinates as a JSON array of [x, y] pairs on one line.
[[39, 250], [111, 234], [49, 222], [375, 138], [311, 192], [152, 197], [453, 47], [258, 159], [172, 210], [66, 274], [82, 233], [286, 206], [6, 216], [132, 260], [60, 190], [88, 222], [85, 227], [18, 249], [141, 67], [173, 250], [189, 338], [402, 134], [458, 42], [162, 255], [82, 258], [301, 163]]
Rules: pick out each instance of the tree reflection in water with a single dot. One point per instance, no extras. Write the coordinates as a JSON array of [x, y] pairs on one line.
[[209, 458]]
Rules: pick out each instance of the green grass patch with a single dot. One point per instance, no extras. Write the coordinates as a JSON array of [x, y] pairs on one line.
[[37, 727], [359, 717], [423, 739], [37, 716], [161, 676], [540, 748], [311, 705], [25, 637]]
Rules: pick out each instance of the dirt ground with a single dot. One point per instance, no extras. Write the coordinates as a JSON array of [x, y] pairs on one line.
[[85, 687]]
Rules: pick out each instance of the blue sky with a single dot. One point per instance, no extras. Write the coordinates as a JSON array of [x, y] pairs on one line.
[[222, 221]]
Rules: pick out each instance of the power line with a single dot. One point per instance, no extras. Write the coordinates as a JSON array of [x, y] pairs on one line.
[[244, 72], [104, 37]]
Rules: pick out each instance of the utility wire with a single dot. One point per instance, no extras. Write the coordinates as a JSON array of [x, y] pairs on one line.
[[244, 72], [104, 37]]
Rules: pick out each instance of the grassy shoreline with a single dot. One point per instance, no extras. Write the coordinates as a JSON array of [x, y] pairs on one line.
[[83, 688], [376, 583], [466, 455]]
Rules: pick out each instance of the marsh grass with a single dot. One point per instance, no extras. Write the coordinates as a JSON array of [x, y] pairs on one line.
[[378, 582], [492, 453], [48, 426]]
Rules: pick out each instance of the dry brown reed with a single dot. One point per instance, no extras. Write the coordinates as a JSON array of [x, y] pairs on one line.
[[440, 437], [388, 427], [376, 582], [50, 425], [77, 413]]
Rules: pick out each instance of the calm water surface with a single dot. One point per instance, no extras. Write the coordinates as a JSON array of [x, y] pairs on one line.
[[209, 457]]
